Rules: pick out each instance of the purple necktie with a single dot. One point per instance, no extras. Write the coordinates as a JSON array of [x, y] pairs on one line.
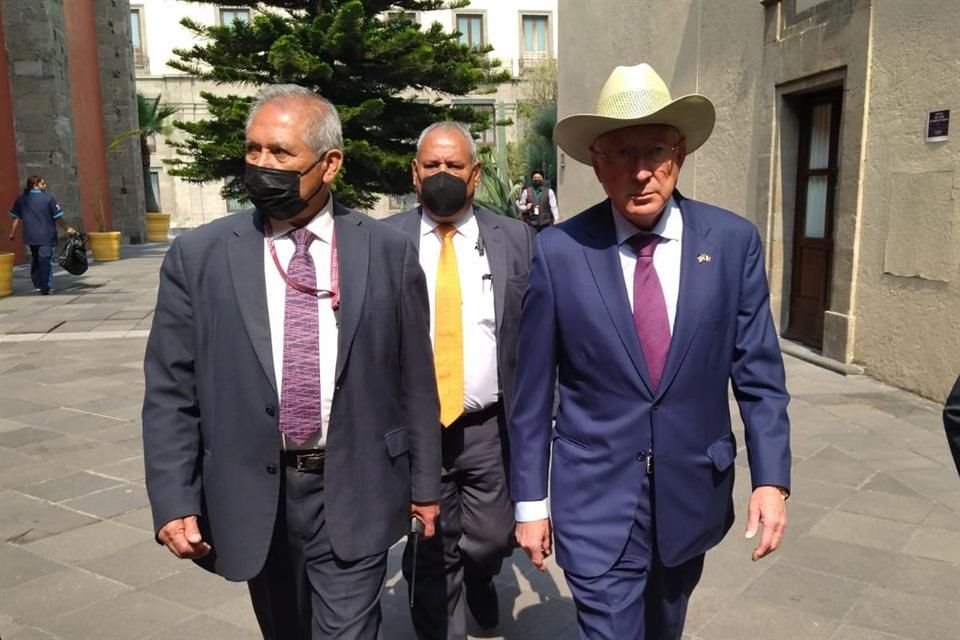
[[300, 389], [649, 307]]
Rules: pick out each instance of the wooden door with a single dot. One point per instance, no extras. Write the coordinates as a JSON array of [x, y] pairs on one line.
[[813, 218]]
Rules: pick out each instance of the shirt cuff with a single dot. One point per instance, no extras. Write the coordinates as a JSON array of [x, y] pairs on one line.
[[528, 511]]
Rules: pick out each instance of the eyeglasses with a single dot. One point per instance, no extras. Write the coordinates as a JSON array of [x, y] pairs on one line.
[[627, 158]]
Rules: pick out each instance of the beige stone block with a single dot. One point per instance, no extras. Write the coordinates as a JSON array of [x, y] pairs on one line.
[[922, 228]]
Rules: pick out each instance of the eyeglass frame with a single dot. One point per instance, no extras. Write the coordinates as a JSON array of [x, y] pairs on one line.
[[629, 160]]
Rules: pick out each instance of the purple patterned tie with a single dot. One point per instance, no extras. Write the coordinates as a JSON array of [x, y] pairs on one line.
[[300, 393], [649, 307]]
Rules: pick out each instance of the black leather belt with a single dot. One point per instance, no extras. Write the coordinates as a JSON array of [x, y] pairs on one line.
[[304, 459], [474, 418]]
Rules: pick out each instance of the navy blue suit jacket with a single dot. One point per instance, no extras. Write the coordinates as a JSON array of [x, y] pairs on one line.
[[577, 323]]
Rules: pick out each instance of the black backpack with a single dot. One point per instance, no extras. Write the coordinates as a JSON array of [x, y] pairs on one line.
[[73, 257]]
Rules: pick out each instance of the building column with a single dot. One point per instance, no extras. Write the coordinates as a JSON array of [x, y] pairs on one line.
[[83, 65], [9, 174], [119, 115], [40, 86]]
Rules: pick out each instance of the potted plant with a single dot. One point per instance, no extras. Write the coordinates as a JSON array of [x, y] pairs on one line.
[[6, 268], [151, 117], [104, 244]]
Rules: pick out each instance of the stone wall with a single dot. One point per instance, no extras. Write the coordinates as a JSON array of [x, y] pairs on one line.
[[118, 91], [40, 84]]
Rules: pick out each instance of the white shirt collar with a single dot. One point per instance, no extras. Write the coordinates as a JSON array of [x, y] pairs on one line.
[[321, 225], [668, 227], [466, 227]]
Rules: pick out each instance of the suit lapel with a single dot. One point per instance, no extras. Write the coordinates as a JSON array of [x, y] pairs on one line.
[[491, 235], [245, 253], [353, 252], [603, 258], [693, 287], [411, 226]]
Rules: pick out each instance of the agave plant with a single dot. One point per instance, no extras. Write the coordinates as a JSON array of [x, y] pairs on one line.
[[494, 193]]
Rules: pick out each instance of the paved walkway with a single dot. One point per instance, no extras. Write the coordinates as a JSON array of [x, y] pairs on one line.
[[873, 549]]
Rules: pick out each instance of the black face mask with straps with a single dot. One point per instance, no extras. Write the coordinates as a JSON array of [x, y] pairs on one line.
[[276, 192], [443, 194]]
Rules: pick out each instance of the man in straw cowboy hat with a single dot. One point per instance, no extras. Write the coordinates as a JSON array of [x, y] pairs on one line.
[[648, 305]]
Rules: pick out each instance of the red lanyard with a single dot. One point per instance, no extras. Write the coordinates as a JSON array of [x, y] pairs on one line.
[[333, 292]]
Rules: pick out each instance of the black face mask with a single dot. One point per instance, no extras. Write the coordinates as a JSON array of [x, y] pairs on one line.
[[443, 194], [276, 192], [538, 183]]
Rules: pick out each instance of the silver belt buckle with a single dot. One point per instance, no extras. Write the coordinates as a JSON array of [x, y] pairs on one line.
[[304, 458]]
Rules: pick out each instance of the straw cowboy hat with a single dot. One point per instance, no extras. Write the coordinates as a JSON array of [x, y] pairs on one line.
[[635, 95]]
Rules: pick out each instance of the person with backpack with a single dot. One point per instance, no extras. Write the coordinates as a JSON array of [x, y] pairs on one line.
[[40, 214]]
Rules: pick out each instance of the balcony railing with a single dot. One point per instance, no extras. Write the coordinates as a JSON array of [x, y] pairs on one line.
[[532, 59], [140, 58]]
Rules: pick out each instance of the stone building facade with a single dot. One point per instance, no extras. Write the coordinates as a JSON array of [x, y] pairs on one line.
[[822, 140], [67, 93]]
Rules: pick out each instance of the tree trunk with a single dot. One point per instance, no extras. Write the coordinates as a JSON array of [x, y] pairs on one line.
[[150, 197]]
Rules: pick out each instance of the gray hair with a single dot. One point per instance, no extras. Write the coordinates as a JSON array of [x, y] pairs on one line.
[[451, 126], [324, 131]]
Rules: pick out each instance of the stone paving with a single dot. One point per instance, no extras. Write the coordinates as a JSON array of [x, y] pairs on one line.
[[872, 551]]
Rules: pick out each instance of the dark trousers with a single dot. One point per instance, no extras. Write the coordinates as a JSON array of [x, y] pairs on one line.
[[475, 529], [638, 598], [305, 592], [41, 266]]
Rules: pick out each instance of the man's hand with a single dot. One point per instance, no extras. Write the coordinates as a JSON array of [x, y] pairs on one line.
[[536, 539], [182, 537], [427, 514], [768, 507], [10, 237], [71, 231]]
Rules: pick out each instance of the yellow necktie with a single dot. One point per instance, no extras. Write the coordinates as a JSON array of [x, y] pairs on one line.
[[448, 330]]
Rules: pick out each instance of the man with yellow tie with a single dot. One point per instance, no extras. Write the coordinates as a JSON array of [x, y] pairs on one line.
[[476, 265]]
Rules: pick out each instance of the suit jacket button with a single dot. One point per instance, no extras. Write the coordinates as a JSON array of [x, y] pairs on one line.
[[271, 411], [272, 469], [656, 407]]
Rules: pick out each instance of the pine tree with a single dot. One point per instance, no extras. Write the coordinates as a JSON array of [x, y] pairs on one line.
[[367, 64]]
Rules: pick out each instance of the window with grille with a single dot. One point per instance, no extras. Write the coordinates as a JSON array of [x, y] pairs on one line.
[[155, 183], [235, 204], [536, 40], [487, 136], [136, 38], [401, 202]]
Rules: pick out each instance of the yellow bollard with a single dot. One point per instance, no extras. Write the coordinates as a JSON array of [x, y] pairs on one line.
[[6, 274]]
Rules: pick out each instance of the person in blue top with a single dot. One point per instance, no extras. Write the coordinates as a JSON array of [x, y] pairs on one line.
[[40, 214]]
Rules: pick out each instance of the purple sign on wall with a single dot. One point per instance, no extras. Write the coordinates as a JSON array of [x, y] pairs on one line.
[[938, 125]]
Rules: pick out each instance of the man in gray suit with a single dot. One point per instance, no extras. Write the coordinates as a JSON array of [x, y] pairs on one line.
[[290, 415], [476, 266]]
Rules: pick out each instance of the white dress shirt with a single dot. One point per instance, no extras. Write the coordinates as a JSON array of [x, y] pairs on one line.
[[480, 382], [666, 262], [322, 227], [551, 196]]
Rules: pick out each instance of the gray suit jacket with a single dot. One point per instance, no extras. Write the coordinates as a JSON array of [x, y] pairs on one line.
[[211, 405], [508, 244]]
